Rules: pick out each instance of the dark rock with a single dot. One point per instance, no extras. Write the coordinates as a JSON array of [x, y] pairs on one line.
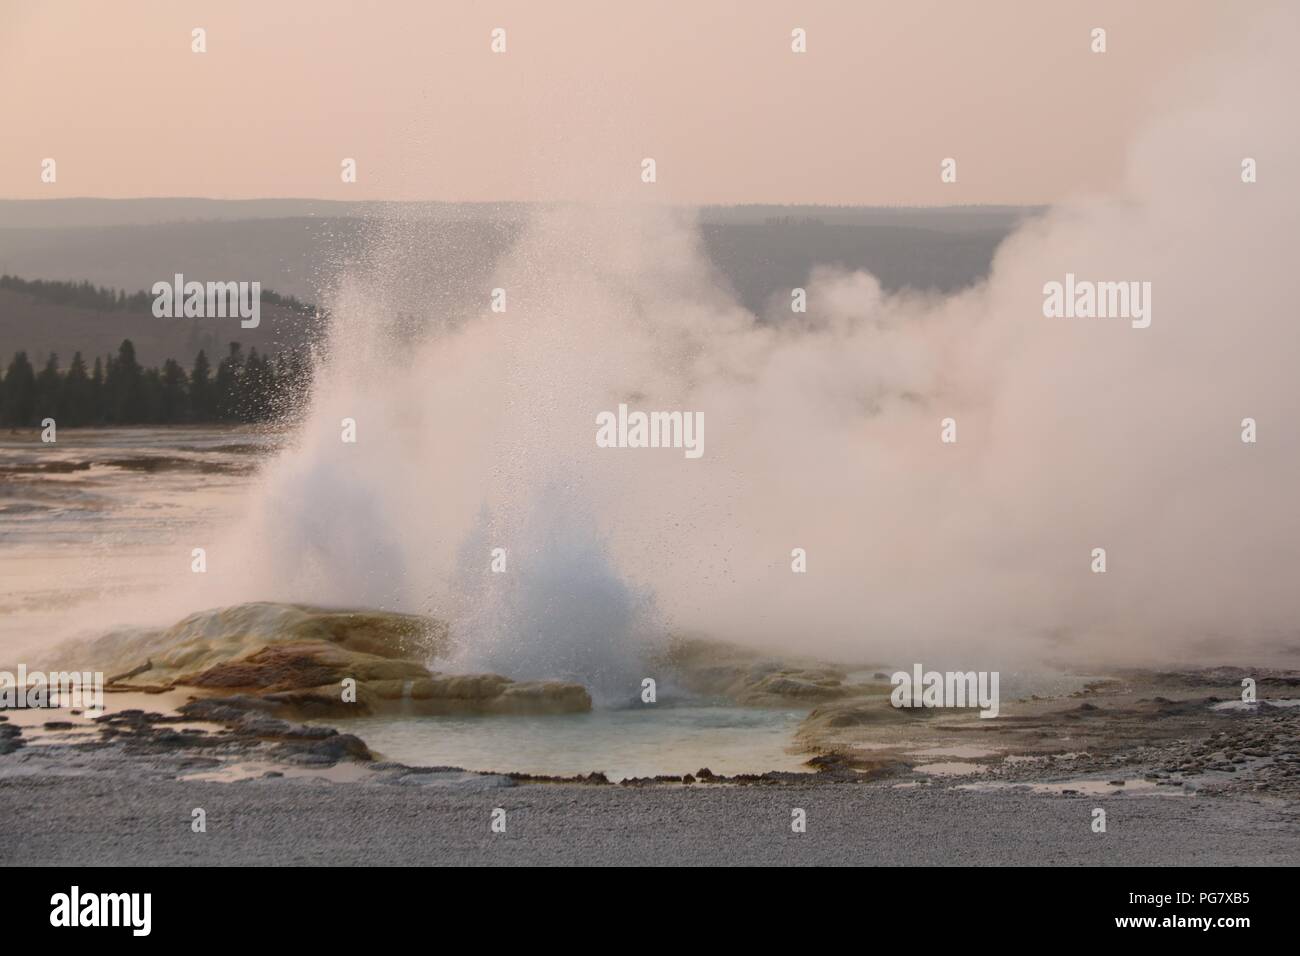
[[342, 745], [309, 731], [260, 725], [176, 738], [220, 709]]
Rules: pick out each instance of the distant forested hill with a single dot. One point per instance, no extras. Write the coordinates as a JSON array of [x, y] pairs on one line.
[[447, 254], [56, 322]]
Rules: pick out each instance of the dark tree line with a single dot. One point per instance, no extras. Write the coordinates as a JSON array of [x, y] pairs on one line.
[[117, 390]]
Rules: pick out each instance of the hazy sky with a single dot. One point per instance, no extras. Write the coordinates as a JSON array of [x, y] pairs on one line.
[[710, 89]]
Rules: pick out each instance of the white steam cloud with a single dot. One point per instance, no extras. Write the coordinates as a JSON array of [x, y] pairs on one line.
[[823, 434]]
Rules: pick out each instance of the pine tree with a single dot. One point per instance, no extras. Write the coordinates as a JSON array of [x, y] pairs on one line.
[[201, 395], [151, 391], [227, 385], [97, 393], [20, 392], [76, 407], [128, 392], [257, 386], [49, 388], [174, 407]]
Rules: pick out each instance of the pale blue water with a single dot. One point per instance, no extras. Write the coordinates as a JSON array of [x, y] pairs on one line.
[[633, 742]]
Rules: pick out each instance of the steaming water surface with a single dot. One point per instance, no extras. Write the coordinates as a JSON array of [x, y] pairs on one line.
[[96, 532], [638, 742], [97, 526]]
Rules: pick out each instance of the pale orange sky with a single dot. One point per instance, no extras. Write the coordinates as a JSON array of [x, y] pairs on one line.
[[710, 89]]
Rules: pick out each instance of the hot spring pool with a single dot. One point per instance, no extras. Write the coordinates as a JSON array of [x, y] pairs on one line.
[[621, 743]]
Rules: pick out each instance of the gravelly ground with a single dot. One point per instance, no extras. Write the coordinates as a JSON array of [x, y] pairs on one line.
[[117, 819]]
